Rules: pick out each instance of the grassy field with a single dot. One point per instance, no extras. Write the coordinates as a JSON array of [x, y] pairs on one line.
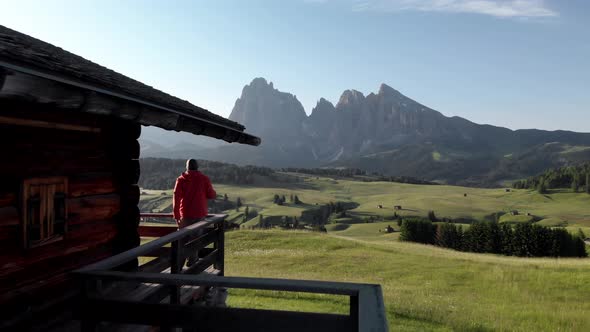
[[425, 288], [561, 207]]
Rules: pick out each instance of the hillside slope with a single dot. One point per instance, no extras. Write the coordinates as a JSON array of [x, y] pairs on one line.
[[425, 288]]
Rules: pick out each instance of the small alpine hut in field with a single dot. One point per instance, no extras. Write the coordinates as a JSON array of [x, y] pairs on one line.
[[70, 253]]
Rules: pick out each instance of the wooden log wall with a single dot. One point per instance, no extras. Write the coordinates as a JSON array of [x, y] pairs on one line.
[[99, 156]]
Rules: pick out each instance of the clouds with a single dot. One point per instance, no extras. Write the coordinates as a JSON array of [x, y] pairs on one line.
[[495, 8]]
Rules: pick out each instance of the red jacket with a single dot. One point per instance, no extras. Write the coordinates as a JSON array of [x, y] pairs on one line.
[[191, 192]]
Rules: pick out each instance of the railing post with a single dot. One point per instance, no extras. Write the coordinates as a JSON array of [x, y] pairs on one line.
[[176, 267], [220, 246], [354, 311], [90, 287]]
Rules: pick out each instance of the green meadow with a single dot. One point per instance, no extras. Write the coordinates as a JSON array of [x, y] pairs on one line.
[[425, 288], [558, 208]]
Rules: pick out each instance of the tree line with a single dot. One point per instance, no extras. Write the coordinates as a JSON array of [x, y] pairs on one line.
[[161, 173], [356, 174], [525, 239], [575, 177]]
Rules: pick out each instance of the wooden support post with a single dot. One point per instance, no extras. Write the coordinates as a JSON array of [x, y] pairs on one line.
[[90, 288], [354, 311], [220, 246], [175, 268]]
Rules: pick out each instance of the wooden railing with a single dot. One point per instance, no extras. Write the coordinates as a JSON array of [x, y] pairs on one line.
[[165, 279]]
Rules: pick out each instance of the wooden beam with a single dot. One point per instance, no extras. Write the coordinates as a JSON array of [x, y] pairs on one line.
[[9, 216], [211, 318], [153, 117], [156, 231], [46, 124], [3, 73], [87, 209], [202, 241], [153, 245], [303, 286], [7, 198], [91, 184], [127, 172], [156, 265], [23, 86], [220, 247], [100, 104], [202, 264], [371, 310]]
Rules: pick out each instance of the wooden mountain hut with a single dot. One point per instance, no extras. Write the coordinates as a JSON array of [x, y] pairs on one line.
[[69, 132]]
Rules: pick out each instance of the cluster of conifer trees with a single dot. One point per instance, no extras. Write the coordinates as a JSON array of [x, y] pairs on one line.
[[575, 177], [525, 239], [280, 200]]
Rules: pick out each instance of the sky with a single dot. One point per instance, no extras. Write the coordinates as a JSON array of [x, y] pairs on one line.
[[511, 63]]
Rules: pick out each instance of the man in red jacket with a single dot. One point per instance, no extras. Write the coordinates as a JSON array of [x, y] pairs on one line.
[[191, 192]]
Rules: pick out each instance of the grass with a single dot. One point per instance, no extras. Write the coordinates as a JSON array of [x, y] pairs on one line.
[[575, 148], [553, 222], [446, 201], [425, 288], [436, 156], [508, 218]]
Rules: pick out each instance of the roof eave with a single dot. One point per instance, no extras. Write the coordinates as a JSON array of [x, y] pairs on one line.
[[137, 109]]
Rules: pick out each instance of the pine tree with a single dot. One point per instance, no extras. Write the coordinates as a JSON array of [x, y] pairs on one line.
[[291, 198], [276, 199], [239, 202], [247, 212], [575, 183], [588, 183], [296, 200], [432, 216], [542, 187], [225, 197]]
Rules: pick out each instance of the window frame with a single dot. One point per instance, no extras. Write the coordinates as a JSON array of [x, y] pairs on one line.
[[48, 194]]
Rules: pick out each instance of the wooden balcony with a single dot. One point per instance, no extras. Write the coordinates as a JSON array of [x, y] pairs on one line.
[[161, 292]]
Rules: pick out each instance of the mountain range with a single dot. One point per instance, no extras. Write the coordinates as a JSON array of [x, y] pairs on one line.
[[385, 132]]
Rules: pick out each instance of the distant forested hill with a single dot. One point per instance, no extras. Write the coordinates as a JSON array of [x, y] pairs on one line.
[[161, 173], [356, 174]]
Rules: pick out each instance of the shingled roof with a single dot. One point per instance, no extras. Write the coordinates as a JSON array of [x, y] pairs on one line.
[[17, 49]]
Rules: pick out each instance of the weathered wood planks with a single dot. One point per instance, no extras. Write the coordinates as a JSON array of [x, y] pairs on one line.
[[102, 170]]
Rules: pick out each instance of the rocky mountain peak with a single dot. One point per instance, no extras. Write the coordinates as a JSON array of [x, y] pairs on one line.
[[323, 106], [268, 112], [260, 82], [351, 97], [389, 133], [258, 85], [385, 89], [323, 103]]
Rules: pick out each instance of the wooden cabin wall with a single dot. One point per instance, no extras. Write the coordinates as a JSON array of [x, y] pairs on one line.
[[99, 156]]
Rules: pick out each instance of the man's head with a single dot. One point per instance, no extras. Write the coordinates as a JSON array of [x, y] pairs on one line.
[[191, 165]]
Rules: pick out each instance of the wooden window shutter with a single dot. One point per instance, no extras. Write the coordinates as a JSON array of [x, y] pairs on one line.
[[44, 210]]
